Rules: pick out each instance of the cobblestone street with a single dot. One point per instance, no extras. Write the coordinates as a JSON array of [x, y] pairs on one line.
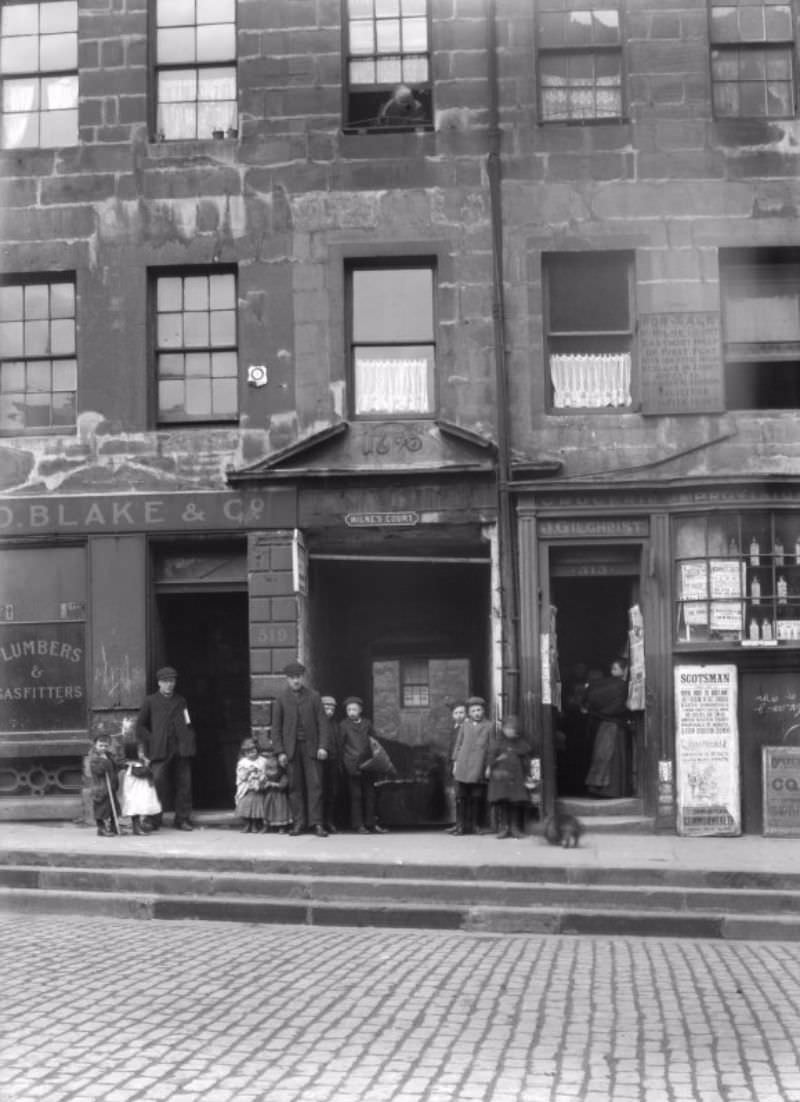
[[217, 1012]]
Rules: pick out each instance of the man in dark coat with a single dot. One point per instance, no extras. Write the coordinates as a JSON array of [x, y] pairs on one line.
[[300, 735], [164, 727]]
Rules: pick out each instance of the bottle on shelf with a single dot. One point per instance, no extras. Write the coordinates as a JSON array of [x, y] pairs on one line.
[[766, 630], [755, 591], [782, 590], [797, 550], [753, 630], [778, 552], [733, 547], [755, 552]]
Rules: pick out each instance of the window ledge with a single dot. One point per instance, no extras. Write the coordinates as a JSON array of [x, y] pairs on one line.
[[190, 147]]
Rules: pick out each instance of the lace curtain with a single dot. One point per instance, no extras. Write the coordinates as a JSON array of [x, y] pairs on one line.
[[591, 381], [391, 386]]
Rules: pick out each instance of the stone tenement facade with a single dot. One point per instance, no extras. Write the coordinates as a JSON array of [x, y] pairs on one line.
[[466, 303]]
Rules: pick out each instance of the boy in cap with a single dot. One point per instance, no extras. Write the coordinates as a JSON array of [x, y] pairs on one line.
[[356, 732], [470, 756], [300, 735], [331, 768], [165, 729]]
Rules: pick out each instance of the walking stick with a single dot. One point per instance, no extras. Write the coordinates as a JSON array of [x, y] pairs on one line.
[[113, 805]]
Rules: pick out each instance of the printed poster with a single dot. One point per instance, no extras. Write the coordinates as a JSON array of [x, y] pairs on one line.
[[707, 750]]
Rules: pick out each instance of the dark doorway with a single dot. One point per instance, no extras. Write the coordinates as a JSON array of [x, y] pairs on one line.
[[205, 636], [592, 629]]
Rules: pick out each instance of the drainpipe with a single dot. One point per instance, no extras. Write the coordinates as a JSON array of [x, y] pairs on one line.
[[509, 601]]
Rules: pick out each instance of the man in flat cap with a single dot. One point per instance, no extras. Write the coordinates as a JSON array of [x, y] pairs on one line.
[[165, 729], [300, 736]]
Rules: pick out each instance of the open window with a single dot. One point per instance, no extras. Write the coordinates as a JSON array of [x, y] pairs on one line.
[[387, 65], [589, 329], [760, 291]]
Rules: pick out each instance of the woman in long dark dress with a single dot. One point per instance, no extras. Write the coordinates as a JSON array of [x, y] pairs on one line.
[[605, 702]]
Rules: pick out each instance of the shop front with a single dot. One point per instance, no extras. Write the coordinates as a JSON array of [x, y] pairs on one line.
[[698, 590]]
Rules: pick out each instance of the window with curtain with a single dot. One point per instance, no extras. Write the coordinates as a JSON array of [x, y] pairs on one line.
[[392, 340], [752, 60], [387, 64], [196, 346], [38, 367], [589, 329], [39, 74], [579, 63], [196, 68]]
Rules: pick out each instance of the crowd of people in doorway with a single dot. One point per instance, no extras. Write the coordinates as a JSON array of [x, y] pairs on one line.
[[310, 765]]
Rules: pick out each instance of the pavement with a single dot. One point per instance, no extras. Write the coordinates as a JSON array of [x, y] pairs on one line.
[[115, 1011], [434, 850]]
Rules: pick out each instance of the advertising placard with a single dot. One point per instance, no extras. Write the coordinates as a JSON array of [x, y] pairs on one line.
[[780, 772], [707, 750]]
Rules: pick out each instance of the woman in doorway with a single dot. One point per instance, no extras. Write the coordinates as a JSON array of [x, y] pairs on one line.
[[605, 701]]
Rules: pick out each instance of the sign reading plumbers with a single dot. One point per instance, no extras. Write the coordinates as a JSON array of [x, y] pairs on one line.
[[781, 778], [42, 677], [707, 750]]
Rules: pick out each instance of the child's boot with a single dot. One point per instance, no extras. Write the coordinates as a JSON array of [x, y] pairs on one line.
[[136, 823], [518, 821], [247, 826], [503, 826], [104, 828]]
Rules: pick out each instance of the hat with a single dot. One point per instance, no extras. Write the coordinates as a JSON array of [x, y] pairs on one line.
[[328, 699], [249, 744], [354, 700], [294, 669], [476, 700], [166, 673]]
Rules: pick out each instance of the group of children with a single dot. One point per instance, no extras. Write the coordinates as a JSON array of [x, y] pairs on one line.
[[491, 764], [122, 786]]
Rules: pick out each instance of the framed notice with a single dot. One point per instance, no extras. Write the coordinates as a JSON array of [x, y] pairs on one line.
[[707, 750], [780, 772], [680, 356]]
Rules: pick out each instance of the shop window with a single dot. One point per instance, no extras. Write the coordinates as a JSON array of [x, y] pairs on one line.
[[42, 639], [752, 60], [38, 368], [760, 291], [196, 68], [39, 73], [196, 349], [738, 578], [589, 329], [579, 64], [393, 353], [387, 65], [415, 683]]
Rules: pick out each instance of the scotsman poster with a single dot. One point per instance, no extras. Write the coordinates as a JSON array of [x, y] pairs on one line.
[[707, 750]]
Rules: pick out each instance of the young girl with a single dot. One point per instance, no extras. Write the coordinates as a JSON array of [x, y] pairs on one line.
[[139, 796], [251, 780], [506, 772], [277, 815]]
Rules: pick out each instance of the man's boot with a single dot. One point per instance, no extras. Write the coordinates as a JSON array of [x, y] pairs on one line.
[[503, 826], [459, 827], [518, 821]]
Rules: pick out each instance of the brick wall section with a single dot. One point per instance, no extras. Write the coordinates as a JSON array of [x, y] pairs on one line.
[[273, 614]]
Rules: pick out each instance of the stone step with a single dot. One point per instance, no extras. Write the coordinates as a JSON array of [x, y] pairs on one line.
[[371, 890], [468, 918]]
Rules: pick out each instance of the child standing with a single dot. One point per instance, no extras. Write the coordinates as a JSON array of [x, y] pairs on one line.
[[137, 788], [356, 732], [469, 765], [251, 780], [103, 773], [277, 813], [506, 772]]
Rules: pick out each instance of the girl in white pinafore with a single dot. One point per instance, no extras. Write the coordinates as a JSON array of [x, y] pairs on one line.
[[137, 790]]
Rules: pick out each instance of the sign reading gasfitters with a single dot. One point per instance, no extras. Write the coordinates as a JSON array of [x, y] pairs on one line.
[[381, 520], [780, 772]]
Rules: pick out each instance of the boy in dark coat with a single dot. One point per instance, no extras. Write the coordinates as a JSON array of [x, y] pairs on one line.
[[103, 773], [331, 768], [469, 765], [506, 772], [355, 732]]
